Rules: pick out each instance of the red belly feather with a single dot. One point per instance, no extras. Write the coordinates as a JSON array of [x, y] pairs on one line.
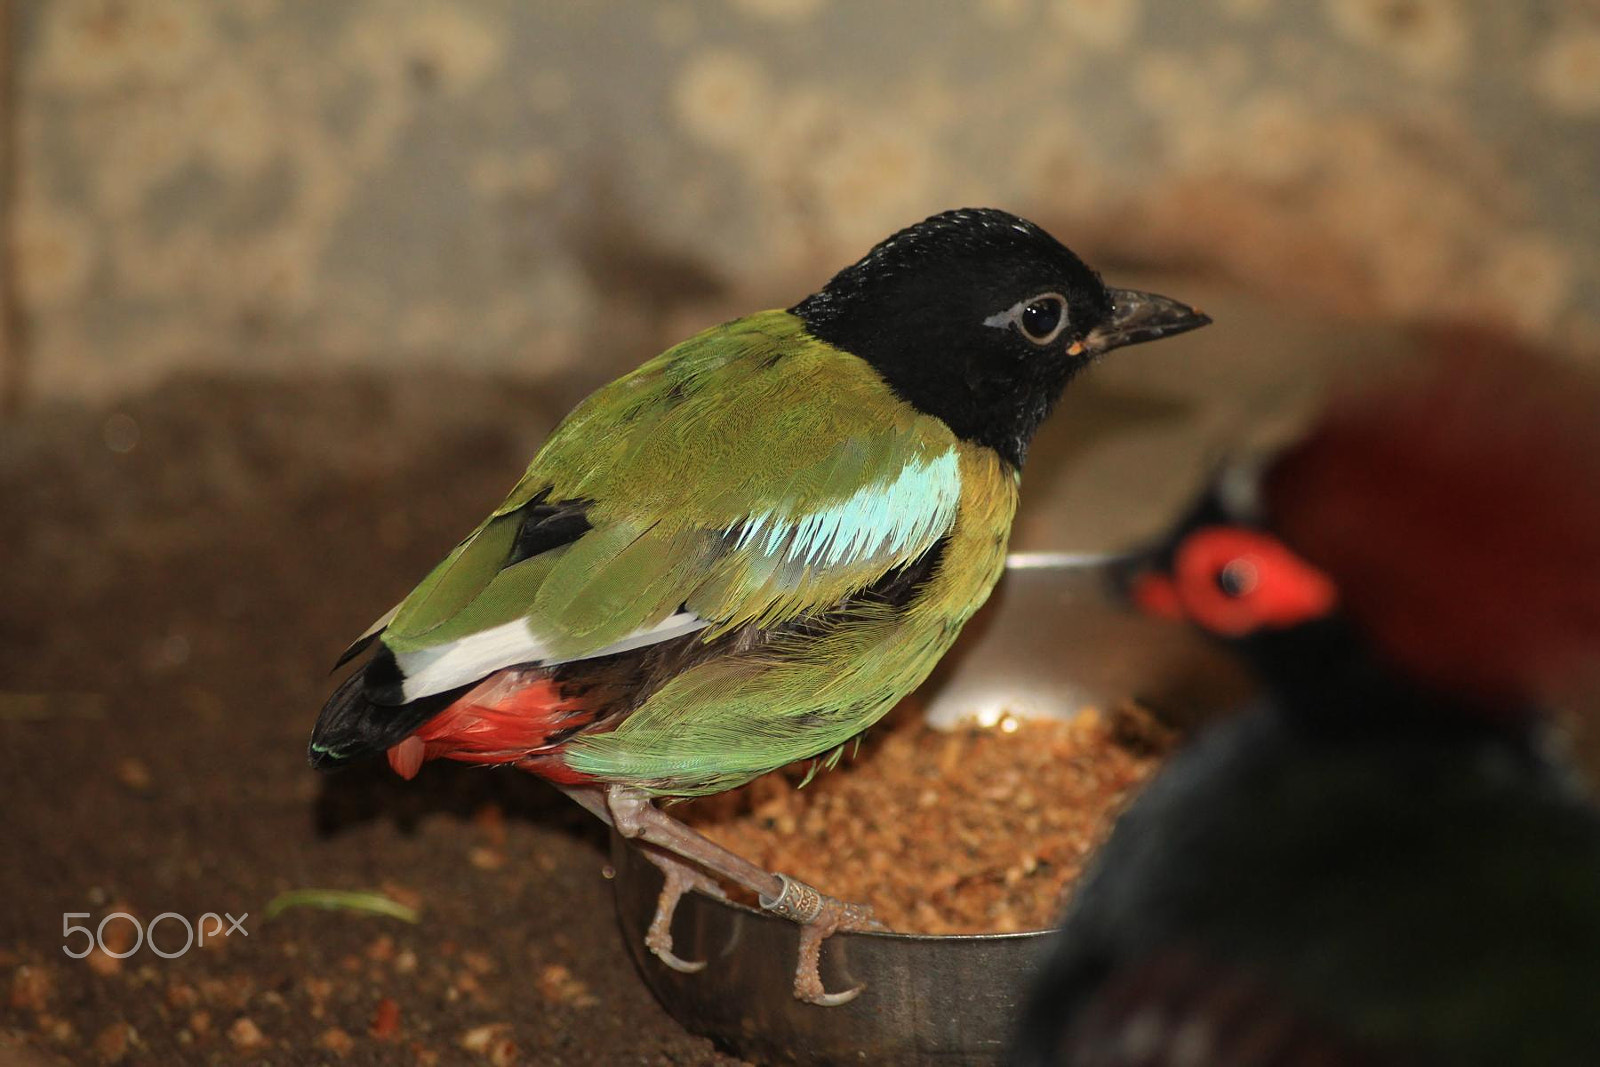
[[515, 716]]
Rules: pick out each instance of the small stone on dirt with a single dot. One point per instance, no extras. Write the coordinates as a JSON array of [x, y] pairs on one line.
[[559, 985], [133, 773], [492, 1041], [491, 822], [111, 1044], [244, 1033], [381, 950], [103, 964], [30, 988], [336, 1041]]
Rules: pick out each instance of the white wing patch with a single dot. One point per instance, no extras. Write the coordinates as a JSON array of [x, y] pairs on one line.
[[878, 520], [470, 658]]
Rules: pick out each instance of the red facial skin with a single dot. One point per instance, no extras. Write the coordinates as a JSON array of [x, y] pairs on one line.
[[1233, 582]]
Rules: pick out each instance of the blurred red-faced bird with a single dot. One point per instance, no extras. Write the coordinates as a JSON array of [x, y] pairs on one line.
[[1383, 862], [744, 552]]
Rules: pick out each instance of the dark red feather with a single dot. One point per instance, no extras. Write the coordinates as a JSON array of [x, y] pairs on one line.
[[1458, 509]]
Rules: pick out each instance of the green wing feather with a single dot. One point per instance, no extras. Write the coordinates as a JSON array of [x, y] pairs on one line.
[[753, 475], [700, 467]]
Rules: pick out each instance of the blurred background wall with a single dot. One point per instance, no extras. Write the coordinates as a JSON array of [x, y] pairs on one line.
[[535, 188]]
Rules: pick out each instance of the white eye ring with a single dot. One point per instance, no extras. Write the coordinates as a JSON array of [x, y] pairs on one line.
[[1013, 317]]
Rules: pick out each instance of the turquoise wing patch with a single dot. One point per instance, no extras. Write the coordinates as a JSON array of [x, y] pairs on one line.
[[877, 521]]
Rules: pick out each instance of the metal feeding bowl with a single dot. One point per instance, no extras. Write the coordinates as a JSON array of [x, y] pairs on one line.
[[1051, 641]]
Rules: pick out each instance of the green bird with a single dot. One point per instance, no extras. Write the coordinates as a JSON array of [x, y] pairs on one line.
[[746, 551]]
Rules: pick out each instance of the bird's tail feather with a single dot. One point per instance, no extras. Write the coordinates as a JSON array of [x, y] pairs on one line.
[[353, 727], [509, 716]]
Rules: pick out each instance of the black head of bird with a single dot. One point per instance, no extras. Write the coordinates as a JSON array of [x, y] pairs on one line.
[[981, 318]]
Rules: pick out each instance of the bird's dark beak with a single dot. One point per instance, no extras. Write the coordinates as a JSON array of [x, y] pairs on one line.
[[1137, 317], [1137, 580]]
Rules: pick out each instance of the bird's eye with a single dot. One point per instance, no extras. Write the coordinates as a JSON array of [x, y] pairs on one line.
[[1042, 319], [1238, 577]]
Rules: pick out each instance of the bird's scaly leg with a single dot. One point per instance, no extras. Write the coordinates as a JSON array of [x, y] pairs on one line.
[[678, 878], [818, 915]]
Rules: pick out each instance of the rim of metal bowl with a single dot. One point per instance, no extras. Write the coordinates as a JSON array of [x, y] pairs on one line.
[[1029, 561]]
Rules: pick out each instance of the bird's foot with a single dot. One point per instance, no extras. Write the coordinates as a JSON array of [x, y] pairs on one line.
[[819, 917], [677, 879]]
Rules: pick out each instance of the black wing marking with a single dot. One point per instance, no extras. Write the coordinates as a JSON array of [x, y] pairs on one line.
[[357, 647], [545, 526], [548, 525]]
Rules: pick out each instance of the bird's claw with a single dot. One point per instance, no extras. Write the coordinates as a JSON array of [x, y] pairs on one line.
[[665, 955], [819, 917], [677, 879], [831, 1000]]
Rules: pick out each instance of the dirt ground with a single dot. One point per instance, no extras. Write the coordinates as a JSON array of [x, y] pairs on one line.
[[177, 574]]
